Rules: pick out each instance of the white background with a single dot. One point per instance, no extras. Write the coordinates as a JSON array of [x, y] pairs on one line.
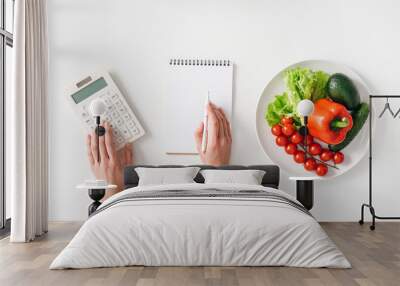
[[135, 39]]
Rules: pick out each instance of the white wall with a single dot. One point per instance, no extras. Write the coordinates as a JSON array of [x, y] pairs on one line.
[[134, 39]]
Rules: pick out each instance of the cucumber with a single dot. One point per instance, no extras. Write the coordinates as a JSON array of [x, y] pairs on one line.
[[359, 118], [342, 90]]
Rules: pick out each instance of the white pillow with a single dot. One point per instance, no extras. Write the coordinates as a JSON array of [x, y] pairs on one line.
[[248, 177], [164, 176]]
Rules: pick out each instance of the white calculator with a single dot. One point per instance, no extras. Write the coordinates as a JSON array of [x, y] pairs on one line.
[[126, 127]]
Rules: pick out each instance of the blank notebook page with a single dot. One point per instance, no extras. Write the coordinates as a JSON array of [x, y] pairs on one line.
[[188, 83]]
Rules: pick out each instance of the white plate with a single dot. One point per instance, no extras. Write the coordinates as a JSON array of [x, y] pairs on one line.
[[353, 152]]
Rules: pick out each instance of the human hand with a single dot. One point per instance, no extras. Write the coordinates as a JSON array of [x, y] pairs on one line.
[[112, 162], [219, 139]]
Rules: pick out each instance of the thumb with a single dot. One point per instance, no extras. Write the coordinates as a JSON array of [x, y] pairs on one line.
[[198, 135]]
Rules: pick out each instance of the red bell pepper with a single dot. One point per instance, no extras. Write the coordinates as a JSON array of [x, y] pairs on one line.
[[330, 121]]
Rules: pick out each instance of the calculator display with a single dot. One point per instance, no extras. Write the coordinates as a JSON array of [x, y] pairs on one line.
[[89, 90]]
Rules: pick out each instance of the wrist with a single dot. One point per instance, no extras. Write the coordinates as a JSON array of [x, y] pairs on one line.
[[219, 164], [116, 178], [216, 163], [119, 182]]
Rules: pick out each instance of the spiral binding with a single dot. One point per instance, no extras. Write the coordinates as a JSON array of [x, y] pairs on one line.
[[199, 62]]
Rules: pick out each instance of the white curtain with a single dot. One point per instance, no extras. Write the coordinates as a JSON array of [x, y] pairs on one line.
[[28, 161]]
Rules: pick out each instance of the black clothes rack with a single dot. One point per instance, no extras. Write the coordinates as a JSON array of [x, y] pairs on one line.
[[370, 205]]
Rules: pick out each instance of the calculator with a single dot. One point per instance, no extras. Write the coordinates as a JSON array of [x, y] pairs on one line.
[[126, 126]]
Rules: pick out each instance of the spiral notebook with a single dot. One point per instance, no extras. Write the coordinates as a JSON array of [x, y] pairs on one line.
[[189, 81]]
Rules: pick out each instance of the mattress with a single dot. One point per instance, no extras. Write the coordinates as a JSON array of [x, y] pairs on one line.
[[201, 225]]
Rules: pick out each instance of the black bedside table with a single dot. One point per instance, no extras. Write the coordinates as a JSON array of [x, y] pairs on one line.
[[305, 190], [96, 193]]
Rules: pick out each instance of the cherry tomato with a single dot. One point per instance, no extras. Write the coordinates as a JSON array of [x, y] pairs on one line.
[[309, 139], [321, 170], [288, 129], [290, 148], [299, 157], [338, 157], [314, 149], [326, 155], [281, 141], [310, 164], [276, 130], [287, 120], [296, 138]]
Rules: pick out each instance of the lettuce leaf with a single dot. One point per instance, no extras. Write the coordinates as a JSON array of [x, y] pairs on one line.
[[280, 107], [304, 83], [301, 83], [320, 80]]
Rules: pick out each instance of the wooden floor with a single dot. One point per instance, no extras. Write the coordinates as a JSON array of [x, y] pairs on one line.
[[375, 257]]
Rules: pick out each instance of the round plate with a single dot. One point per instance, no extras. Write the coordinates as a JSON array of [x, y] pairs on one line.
[[353, 152]]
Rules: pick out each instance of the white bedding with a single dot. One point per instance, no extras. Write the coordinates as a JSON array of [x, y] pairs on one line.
[[200, 231]]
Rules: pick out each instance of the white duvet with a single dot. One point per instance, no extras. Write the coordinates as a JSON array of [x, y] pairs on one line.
[[199, 231]]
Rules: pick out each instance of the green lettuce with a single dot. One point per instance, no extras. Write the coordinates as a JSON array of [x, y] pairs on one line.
[[304, 83], [320, 80], [301, 83], [280, 107]]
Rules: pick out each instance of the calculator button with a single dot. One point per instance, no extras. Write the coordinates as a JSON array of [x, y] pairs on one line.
[[90, 123], [126, 116], [122, 109], [135, 131], [114, 97], [125, 132], [114, 114], [119, 121], [131, 123]]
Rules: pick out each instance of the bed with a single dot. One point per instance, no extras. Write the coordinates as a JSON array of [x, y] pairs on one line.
[[197, 224]]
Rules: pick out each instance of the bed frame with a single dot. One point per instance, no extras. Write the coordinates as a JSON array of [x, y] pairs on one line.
[[270, 179]]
